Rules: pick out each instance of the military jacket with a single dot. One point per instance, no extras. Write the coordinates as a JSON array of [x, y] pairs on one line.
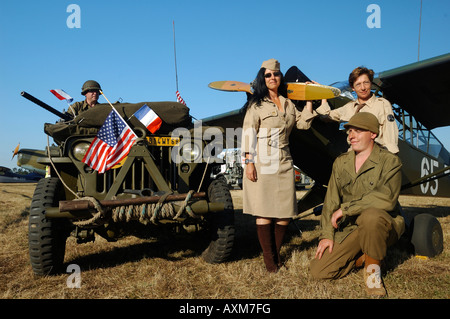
[[268, 125], [378, 106], [78, 107], [376, 185]]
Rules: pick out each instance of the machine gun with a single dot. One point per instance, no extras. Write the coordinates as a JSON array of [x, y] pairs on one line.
[[64, 116]]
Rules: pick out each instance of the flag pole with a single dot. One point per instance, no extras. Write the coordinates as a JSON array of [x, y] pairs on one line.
[[114, 109], [101, 92], [71, 108]]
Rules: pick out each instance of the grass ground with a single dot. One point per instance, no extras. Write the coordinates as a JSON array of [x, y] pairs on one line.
[[171, 267]]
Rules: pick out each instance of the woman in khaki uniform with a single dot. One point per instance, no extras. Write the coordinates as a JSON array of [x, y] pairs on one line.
[[269, 182], [360, 80]]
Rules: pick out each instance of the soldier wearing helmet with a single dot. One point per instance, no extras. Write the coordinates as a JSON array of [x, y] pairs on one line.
[[361, 215], [91, 90]]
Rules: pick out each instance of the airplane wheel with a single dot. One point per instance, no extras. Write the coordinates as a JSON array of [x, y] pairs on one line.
[[427, 237]]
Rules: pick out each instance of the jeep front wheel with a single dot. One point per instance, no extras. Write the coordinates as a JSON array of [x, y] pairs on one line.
[[221, 224], [46, 237]]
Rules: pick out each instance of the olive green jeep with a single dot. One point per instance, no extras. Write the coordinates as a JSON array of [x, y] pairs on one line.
[[164, 184]]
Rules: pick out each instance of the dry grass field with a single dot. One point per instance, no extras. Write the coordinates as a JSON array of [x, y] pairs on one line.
[[171, 267]]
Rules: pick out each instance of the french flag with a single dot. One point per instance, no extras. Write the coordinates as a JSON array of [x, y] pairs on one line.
[[149, 118], [60, 94]]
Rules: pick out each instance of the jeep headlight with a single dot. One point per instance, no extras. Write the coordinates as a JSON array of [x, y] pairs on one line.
[[190, 152], [79, 150]]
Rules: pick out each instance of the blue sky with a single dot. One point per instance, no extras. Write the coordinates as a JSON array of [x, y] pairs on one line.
[[128, 47]]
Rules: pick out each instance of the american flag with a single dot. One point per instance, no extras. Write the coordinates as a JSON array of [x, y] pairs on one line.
[[179, 99], [111, 145]]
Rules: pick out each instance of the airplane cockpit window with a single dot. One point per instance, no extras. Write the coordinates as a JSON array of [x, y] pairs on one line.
[[413, 132], [422, 140], [434, 146]]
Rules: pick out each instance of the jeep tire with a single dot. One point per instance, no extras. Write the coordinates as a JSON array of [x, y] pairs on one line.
[[221, 224], [46, 237]]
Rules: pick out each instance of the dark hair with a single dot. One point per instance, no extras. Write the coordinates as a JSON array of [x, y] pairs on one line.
[[356, 73], [260, 90]]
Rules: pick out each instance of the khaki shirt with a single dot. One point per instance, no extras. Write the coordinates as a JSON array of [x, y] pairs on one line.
[[270, 126], [78, 107], [376, 185], [378, 106]]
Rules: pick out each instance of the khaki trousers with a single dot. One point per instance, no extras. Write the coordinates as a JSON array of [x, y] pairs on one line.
[[375, 232]]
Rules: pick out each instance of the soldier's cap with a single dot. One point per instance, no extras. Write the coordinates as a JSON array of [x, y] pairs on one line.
[[90, 85], [365, 121], [271, 64]]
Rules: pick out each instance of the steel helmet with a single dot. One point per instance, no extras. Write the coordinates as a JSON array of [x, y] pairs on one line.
[[90, 85]]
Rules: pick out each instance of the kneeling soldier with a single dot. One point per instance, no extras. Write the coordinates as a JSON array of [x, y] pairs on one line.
[[361, 214]]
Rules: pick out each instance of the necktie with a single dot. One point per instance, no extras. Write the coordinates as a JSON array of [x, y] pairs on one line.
[[359, 107]]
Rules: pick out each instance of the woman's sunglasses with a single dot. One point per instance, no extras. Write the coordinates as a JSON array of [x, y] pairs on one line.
[[269, 75]]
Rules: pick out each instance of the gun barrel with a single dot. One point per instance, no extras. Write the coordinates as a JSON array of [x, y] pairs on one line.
[[45, 106]]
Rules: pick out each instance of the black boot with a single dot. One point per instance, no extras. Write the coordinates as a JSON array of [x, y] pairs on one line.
[[265, 238]]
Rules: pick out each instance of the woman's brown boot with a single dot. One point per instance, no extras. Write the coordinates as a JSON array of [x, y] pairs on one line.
[[280, 231], [266, 241]]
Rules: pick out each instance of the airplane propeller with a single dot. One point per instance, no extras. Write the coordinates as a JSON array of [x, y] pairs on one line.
[[16, 150]]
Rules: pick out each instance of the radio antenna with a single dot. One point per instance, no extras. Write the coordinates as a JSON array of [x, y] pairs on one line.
[[420, 26], [175, 54]]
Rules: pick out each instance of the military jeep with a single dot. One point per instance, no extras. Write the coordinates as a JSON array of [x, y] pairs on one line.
[[146, 194]]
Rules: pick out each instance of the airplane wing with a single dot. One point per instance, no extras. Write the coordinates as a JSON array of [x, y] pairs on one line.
[[421, 88], [232, 119]]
